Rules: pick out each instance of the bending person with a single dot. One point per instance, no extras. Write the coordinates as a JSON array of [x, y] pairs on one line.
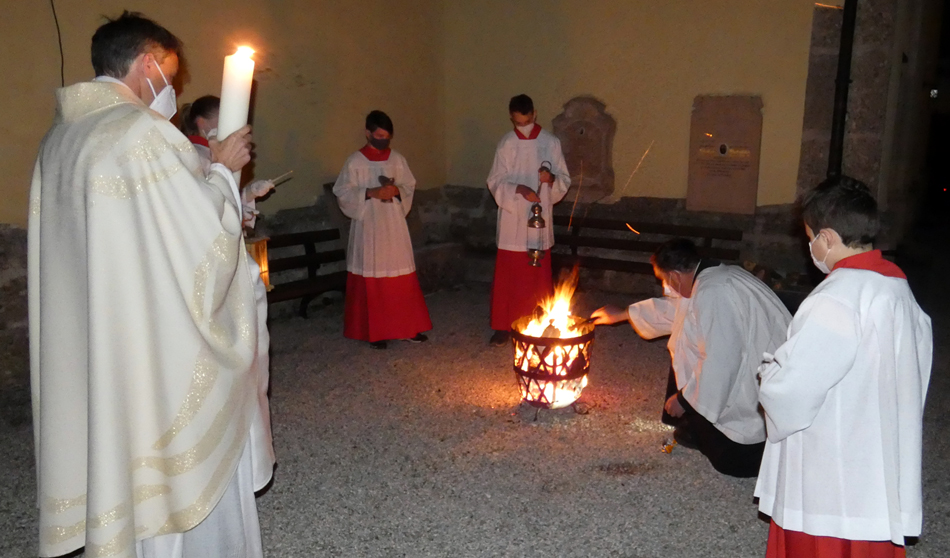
[[720, 319]]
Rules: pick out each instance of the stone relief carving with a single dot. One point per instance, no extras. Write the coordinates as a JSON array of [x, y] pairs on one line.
[[587, 133]]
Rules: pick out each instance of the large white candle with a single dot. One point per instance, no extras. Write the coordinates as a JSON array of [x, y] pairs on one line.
[[235, 94]]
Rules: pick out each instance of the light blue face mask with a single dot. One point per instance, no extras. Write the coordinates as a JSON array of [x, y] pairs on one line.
[[165, 102]]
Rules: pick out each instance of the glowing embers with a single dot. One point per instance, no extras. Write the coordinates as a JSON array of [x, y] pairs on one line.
[[552, 350]]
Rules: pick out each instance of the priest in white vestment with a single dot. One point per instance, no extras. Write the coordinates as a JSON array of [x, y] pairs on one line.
[[720, 319], [844, 395], [383, 298], [529, 168], [151, 420]]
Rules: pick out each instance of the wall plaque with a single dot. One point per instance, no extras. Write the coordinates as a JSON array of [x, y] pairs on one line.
[[724, 144], [587, 132]]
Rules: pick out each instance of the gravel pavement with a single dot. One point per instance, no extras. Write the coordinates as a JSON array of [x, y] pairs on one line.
[[425, 450]]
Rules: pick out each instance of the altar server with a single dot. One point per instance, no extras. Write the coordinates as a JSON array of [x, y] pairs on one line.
[[720, 319], [529, 168], [844, 395], [374, 189], [151, 423]]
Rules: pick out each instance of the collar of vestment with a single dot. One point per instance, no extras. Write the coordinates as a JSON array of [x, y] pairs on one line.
[[78, 100], [198, 140], [535, 132], [872, 260], [374, 154]]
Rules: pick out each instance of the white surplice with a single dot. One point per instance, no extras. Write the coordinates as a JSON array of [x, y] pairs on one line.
[[379, 244], [717, 337], [143, 329], [517, 162], [844, 400]]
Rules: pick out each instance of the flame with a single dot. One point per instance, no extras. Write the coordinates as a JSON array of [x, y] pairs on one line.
[[553, 317], [244, 51]]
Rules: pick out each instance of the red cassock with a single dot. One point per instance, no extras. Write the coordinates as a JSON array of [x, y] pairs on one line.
[[383, 298], [518, 287], [795, 544]]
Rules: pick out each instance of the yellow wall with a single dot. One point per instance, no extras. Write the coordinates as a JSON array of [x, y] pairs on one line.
[[444, 70], [646, 60], [322, 65]]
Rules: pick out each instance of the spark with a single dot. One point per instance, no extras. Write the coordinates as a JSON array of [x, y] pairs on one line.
[[828, 6], [632, 229], [624, 189], [576, 196], [708, 135]]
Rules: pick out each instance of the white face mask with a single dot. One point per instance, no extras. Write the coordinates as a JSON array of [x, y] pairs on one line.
[[821, 265], [526, 130], [212, 134], [669, 291], [164, 102]]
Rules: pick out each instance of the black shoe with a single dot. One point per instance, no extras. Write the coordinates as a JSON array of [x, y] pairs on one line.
[[499, 338], [378, 345], [684, 438], [419, 338]]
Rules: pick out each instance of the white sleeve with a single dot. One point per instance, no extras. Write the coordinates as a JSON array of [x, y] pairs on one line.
[[406, 184], [350, 195], [502, 189], [821, 349], [562, 178], [653, 317]]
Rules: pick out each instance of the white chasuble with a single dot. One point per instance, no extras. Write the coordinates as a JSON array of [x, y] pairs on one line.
[[517, 160], [379, 244], [143, 329]]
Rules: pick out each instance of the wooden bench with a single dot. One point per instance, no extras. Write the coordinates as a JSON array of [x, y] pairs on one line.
[[579, 236], [315, 284]]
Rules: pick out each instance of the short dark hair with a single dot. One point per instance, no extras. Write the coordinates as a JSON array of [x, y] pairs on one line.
[[522, 104], [205, 107], [116, 43], [379, 119], [844, 205], [678, 254]]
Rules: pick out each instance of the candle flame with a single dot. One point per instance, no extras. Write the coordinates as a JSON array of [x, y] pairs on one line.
[[245, 51]]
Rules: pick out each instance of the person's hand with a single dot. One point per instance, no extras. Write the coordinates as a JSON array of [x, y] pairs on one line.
[[528, 193], [234, 152], [545, 175], [259, 188], [673, 407], [609, 315], [383, 193]]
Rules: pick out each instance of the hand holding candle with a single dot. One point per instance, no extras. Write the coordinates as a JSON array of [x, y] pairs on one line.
[[235, 93]]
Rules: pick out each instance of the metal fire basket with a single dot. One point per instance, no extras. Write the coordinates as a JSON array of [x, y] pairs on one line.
[[551, 372]]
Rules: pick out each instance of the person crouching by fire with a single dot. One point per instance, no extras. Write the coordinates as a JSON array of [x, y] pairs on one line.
[[720, 319], [374, 189]]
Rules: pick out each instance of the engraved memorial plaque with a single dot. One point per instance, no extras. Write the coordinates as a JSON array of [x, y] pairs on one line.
[[724, 146]]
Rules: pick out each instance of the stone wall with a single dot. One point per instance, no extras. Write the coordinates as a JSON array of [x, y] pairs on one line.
[[14, 327]]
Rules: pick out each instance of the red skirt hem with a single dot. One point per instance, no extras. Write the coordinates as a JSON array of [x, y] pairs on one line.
[[518, 287], [384, 308], [795, 544]]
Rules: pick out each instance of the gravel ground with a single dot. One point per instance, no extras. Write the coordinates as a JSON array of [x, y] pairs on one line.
[[425, 450]]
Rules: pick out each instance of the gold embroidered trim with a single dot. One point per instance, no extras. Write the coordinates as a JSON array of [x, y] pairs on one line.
[[202, 380], [53, 505], [123, 188], [123, 541], [194, 514], [194, 456], [56, 535]]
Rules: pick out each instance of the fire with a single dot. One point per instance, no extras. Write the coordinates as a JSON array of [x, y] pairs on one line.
[[553, 316], [553, 367]]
